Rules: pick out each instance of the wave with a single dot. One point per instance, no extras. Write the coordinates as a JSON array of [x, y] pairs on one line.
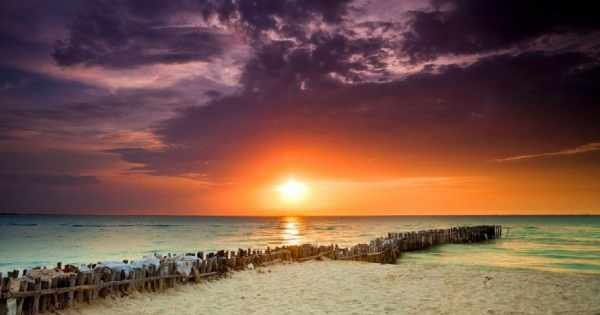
[[22, 224]]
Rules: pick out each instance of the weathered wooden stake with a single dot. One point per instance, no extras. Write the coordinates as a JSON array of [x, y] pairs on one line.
[[71, 294], [54, 297], [4, 289], [36, 299], [21, 301]]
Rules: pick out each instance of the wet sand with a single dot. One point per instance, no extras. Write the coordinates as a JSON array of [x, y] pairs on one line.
[[343, 287]]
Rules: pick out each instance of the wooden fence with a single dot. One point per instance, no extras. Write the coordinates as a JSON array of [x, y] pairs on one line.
[[42, 290]]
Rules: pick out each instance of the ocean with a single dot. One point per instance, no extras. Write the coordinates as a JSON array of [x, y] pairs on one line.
[[551, 243]]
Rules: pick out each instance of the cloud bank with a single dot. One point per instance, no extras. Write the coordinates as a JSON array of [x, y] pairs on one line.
[[233, 93]]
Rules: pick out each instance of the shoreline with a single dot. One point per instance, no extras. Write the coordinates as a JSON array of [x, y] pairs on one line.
[[336, 287]]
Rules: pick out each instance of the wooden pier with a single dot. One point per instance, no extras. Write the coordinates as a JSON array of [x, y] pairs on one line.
[[42, 290]]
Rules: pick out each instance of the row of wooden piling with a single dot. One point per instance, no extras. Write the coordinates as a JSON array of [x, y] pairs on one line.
[[43, 290], [388, 249]]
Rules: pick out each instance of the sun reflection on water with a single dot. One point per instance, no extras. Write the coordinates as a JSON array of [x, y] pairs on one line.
[[291, 230]]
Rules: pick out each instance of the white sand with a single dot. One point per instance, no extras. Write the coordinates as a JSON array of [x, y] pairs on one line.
[[341, 287]]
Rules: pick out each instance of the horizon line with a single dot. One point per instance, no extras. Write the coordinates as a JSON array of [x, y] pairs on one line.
[[296, 215]]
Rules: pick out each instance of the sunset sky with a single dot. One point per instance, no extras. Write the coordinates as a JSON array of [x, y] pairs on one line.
[[372, 107]]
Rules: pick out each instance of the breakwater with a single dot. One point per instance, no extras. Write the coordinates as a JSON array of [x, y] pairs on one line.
[[41, 290]]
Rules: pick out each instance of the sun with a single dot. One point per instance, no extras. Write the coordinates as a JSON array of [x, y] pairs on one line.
[[292, 190]]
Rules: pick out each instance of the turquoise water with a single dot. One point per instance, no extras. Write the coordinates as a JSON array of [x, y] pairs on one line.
[[553, 243]]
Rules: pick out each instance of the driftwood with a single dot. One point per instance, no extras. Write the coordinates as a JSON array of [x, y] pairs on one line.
[[42, 290]]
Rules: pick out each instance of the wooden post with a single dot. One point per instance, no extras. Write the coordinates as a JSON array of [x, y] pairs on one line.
[[87, 293], [133, 285], [146, 281], [172, 271], [119, 288], [156, 282], [21, 301], [54, 296], [45, 284], [95, 280], [36, 299], [79, 281], [71, 294], [133, 277], [144, 274], [102, 278], [4, 289], [142, 279], [150, 274], [129, 286], [157, 275], [114, 276], [197, 276]]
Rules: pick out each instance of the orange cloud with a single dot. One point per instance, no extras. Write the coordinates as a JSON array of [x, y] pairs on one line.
[[589, 147]]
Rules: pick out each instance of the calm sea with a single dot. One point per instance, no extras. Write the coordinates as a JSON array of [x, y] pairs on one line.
[[553, 243]]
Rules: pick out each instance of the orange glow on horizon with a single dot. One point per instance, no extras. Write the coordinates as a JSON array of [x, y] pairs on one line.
[[293, 178]]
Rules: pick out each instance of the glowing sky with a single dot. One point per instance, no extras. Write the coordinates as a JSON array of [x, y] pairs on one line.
[[378, 107]]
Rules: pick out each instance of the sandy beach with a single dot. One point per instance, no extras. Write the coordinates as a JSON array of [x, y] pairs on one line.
[[337, 287]]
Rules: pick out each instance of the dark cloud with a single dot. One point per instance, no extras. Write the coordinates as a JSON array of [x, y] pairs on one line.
[[72, 109], [46, 180], [471, 26], [428, 114], [287, 17], [28, 22], [129, 34], [281, 66]]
